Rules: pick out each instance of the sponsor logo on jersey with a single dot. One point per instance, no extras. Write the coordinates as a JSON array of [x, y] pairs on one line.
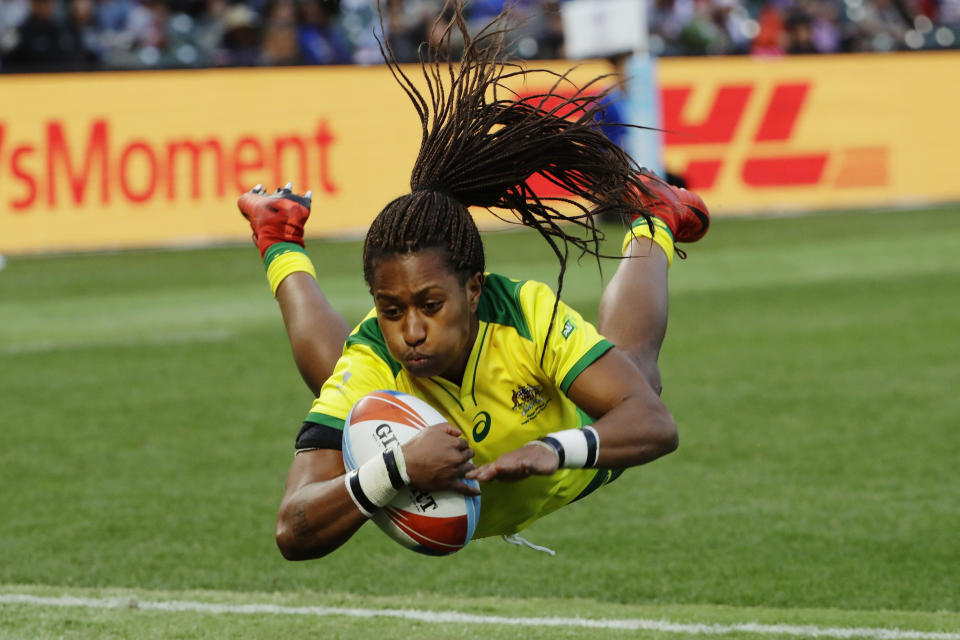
[[568, 328], [528, 400], [481, 426]]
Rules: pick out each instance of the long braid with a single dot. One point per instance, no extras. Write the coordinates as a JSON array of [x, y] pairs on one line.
[[481, 143]]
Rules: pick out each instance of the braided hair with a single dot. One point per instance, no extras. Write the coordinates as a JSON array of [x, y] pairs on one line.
[[481, 143]]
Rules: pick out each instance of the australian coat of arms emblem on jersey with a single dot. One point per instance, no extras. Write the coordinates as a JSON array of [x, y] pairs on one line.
[[527, 399]]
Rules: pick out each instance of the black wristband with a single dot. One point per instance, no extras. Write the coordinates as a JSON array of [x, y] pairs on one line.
[[593, 447], [390, 459], [553, 442], [353, 484]]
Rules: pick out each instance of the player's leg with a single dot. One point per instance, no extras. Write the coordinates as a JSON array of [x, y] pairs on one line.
[[633, 307], [317, 332]]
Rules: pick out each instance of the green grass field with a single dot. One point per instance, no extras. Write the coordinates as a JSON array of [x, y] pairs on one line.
[[148, 405]]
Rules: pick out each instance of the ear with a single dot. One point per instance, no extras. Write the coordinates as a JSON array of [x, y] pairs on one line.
[[474, 288]]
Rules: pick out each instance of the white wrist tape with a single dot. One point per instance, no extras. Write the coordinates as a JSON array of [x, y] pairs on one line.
[[377, 481], [576, 448]]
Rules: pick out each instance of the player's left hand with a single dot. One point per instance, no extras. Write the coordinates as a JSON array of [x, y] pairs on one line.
[[528, 460]]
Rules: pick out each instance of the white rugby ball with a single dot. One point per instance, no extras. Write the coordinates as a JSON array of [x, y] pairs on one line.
[[437, 523]]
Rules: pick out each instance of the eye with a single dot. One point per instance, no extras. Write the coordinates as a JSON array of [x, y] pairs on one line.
[[391, 313], [433, 306]]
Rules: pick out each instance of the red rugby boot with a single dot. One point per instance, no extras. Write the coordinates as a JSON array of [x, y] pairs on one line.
[[683, 211], [277, 217]]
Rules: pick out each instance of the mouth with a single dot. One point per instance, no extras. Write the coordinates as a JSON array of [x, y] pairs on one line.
[[415, 360]]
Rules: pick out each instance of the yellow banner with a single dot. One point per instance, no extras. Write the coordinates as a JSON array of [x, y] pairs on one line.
[[813, 132], [91, 161]]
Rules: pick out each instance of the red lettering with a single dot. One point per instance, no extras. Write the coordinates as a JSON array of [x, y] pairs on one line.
[[544, 187], [784, 171], [718, 126], [324, 139], [28, 180], [151, 183], [144, 170], [57, 153], [279, 175], [194, 149], [782, 112], [702, 174], [242, 164]]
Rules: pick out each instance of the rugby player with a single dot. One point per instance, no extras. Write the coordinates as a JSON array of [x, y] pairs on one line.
[[543, 407]]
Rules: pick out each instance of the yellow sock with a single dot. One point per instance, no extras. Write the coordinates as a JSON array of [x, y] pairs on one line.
[[660, 234], [285, 258]]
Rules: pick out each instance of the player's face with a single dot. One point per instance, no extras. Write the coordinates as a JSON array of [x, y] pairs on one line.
[[428, 318]]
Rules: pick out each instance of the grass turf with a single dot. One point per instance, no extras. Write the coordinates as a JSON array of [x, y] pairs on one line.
[[150, 403]]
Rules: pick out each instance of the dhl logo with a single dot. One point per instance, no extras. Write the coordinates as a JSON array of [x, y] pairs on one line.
[[759, 151], [747, 135]]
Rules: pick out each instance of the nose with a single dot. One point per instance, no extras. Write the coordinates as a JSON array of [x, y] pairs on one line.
[[414, 328]]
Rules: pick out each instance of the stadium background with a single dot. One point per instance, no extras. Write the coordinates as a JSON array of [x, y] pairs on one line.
[[148, 397]]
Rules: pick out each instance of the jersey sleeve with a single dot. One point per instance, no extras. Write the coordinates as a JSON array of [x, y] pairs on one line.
[[364, 366], [573, 343]]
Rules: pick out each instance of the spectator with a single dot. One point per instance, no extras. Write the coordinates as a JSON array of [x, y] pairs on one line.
[[771, 36], [12, 15], [666, 21], [406, 27], [360, 21], [44, 43], [320, 37], [240, 44], [210, 25], [551, 37], [800, 33], [280, 33], [825, 26], [882, 26], [82, 24]]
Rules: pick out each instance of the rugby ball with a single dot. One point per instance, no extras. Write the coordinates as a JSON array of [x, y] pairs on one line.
[[437, 523]]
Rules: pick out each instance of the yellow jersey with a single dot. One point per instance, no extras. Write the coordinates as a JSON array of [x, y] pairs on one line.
[[509, 394]]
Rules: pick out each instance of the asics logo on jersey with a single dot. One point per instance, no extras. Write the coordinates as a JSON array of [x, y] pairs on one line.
[[481, 426]]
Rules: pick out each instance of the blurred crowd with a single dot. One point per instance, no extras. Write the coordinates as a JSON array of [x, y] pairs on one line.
[[52, 35]]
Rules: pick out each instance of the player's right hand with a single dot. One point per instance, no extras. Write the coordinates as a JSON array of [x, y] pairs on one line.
[[529, 460], [438, 458]]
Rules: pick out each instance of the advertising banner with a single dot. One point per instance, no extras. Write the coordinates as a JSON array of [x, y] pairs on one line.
[[117, 160], [813, 132]]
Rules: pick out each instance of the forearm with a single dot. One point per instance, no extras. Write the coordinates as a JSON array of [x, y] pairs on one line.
[[322, 507], [635, 432], [316, 519], [616, 441], [633, 425], [316, 331]]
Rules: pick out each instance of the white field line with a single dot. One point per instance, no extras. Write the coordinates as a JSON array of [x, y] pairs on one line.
[[453, 617], [161, 339]]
